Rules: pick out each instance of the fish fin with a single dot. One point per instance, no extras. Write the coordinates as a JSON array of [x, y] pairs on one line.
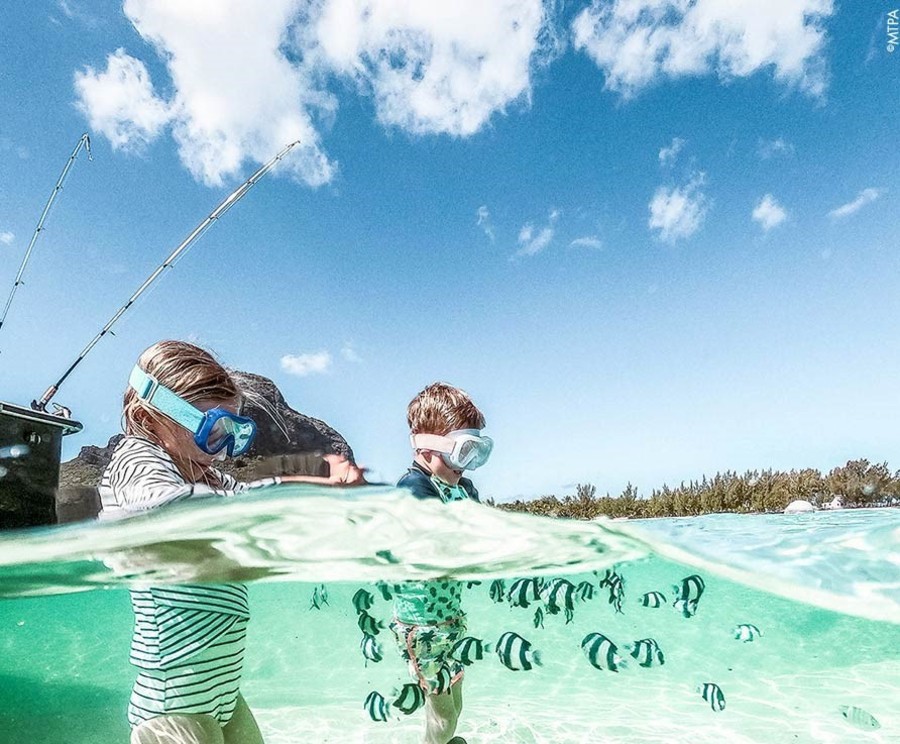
[[536, 658]]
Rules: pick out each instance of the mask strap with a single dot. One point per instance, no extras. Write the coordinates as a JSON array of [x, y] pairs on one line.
[[158, 396], [431, 442]]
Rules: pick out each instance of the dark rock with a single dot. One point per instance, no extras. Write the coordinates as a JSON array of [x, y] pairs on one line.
[[280, 429], [287, 441]]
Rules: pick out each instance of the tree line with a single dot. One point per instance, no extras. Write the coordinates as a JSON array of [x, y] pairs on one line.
[[859, 483]]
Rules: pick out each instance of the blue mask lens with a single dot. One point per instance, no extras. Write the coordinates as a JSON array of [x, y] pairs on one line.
[[222, 429]]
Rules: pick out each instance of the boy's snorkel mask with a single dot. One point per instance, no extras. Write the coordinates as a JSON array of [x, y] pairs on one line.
[[214, 430], [463, 449]]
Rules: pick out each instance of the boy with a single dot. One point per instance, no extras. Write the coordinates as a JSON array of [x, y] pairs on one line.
[[445, 433]]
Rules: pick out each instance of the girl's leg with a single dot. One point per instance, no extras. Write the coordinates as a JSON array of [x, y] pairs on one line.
[[242, 728], [178, 729]]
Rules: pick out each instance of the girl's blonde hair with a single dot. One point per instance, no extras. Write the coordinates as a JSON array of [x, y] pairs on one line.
[[188, 371], [441, 408]]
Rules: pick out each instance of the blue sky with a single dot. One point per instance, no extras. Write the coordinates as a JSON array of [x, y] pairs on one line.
[[652, 241]]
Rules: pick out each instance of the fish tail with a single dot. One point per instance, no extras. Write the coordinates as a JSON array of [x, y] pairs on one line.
[[536, 658]]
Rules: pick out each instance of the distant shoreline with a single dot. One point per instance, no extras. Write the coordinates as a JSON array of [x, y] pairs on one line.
[[858, 484], [517, 506]]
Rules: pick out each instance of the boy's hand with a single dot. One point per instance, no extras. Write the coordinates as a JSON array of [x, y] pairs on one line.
[[344, 472]]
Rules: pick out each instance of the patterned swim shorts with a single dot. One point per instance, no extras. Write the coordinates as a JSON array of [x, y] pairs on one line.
[[426, 649]]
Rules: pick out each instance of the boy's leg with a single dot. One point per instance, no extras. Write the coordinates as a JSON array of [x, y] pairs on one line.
[[178, 729], [242, 728], [456, 692], [441, 716]]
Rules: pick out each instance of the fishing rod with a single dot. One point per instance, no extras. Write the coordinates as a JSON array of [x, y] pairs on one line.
[[85, 142], [227, 203]]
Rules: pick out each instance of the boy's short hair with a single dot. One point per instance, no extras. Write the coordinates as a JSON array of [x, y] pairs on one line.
[[441, 408]]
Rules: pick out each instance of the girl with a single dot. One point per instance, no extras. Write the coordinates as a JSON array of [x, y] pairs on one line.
[[180, 416]]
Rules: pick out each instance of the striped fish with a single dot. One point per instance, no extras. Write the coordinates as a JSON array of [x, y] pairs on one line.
[[647, 652], [687, 594], [610, 576], [538, 618], [385, 590], [443, 681], [469, 650], [860, 718], [713, 695], [368, 624], [409, 699], [516, 653], [316, 602], [560, 594], [498, 590], [746, 632], [371, 649], [362, 600], [323, 593], [616, 585], [523, 592], [653, 599], [376, 706], [602, 652], [585, 591]]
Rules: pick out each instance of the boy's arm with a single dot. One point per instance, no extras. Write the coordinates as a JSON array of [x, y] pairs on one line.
[[470, 489]]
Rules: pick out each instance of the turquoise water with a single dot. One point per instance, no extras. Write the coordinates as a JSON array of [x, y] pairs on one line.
[[824, 589]]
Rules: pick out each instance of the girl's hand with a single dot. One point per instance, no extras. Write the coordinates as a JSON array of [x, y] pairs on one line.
[[344, 472]]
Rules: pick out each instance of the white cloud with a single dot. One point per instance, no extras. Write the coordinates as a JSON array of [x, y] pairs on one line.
[[484, 221], [119, 102], [245, 78], [349, 353], [639, 42], [434, 67], [588, 241], [306, 364], [74, 11], [7, 237], [668, 155], [531, 242], [769, 213], [679, 211], [771, 148], [235, 95], [866, 196]]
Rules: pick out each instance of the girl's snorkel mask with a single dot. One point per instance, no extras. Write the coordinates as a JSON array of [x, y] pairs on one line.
[[463, 449], [214, 430]]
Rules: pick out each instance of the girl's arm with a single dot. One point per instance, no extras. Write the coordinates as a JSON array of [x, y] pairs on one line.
[[143, 477], [342, 472]]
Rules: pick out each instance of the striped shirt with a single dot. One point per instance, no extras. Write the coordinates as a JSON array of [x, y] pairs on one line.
[[188, 640]]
